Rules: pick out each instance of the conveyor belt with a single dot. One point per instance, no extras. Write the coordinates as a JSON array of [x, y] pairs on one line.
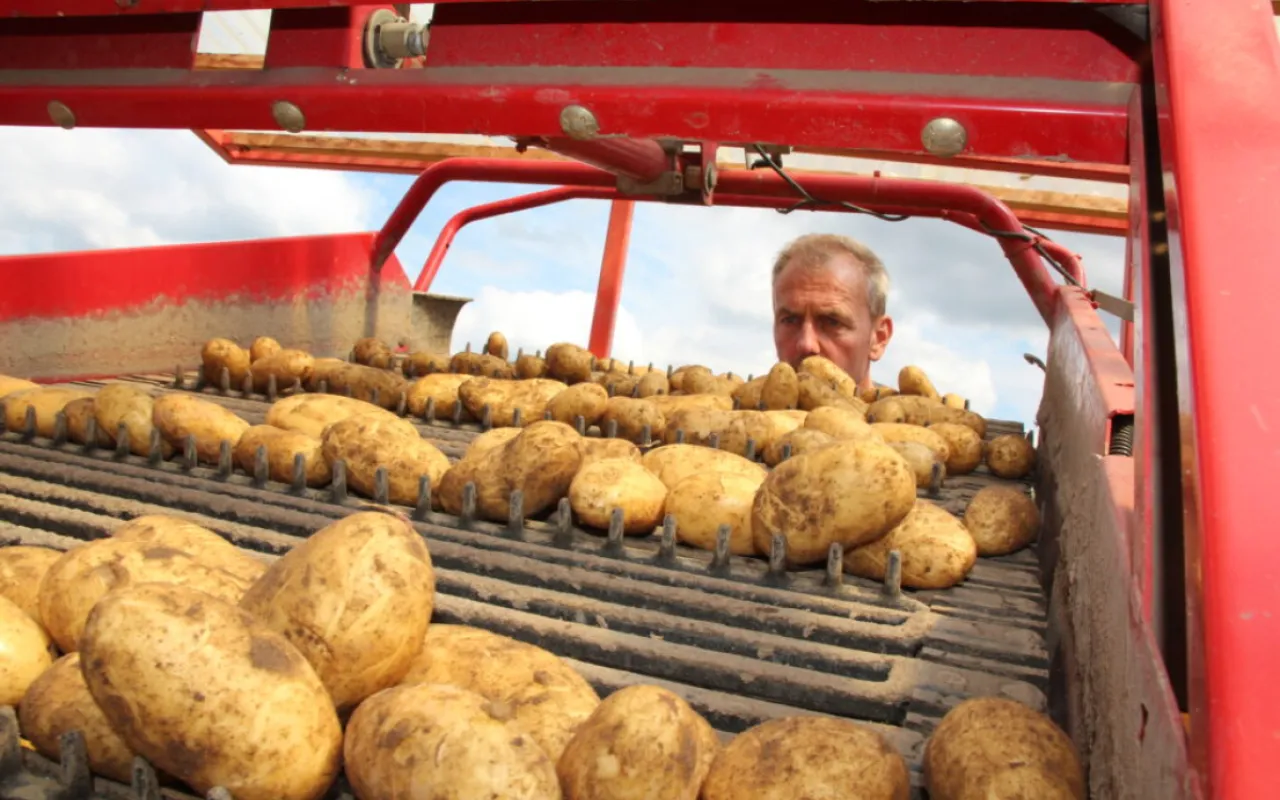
[[740, 640]]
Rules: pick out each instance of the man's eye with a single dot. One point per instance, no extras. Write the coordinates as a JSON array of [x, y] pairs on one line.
[[833, 323]]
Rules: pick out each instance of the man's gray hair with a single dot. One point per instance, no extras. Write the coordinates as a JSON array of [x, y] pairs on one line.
[[814, 250]]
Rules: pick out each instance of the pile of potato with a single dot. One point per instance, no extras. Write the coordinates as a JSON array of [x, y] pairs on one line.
[[270, 677]]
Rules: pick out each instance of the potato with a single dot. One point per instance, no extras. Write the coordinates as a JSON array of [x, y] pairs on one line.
[[481, 365], [286, 366], [641, 741], [503, 397], [951, 400], [365, 382], [814, 393], [964, 447], [546, 697], [10, 384], [490, 439], [78, 414], [47, 402], [281, 448], [597, 449], [195, 540], [617, 383], [440, 387], [606, 484], [369, 441], [826, 370], [569, 363], [119, 403], [903, 432], [687, 378], [838, 423], [749, 395], [428, 741], [704, 501], [632, 417], [371, 351], [912, 380], [210, 695], [587, 400], [922, 460], [988, 747], [891, 410], [82, 577], [26, 651], [22, 567], [220, 353], [1010, 456], [851, 492], [59, 702], [673, 463], [311, 414], [417, 365], [937, 550], [528, 366], [781, 387], [540, 462], [759, 429], [180, 415], [262, 347], [496, 345], [1001, 519], [808, 757], [653, 383], [801, 440], [355, 598], [669, 404], [698, 425], [322, 371], [923, 411]]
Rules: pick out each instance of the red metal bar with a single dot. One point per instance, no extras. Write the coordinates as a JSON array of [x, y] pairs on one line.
[[1106, 173], [309, 37], [640, 159], [1221, 174], [612, 266], [1137, 343], [158, 42]]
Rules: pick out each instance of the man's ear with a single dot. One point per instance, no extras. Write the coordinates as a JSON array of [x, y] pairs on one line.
[[881, 333]]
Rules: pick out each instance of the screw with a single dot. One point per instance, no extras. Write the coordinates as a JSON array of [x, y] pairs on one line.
[[944, 137], [288, 116], [61, 115], [578, 123]]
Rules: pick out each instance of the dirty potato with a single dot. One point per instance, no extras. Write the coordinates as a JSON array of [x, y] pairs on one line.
[[275, 734], [781, 387], [286, 366], [682, 379], [964, 448], [120, 404], [47, 401], [748, 395], [322, 372], [937, 550], [601, 486], [196, 540], [586, 400], [262, 347], [813, 392], [441, 388], [489, 440], [830, 374], [598, 449], [838, 423], [673, 463], [703, 501], [370, 441], [751, 432], [528, 366], [1001, 520], [371, 351], [793, 443], [904, 432], [416, 365], [540, 463], [218, 354], [808, 757], [282, 447], [381, 387], [59, 702], [546, 696], [431, 741], [355, 598], [653, 383], [22, 568], [851, 492], [952, 400], [311, 414], [569, 363], [179, 416], [503, 397], [923, 462], [26, 651], [634, 417], [641, 741], [10, 384], [81, 577], [481, 365], [78, 414], [694, 425], [496, 345], [669, 404], [913, 380], [996, 747], [1010, 456]]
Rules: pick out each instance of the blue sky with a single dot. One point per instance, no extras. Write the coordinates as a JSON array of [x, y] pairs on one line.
[[696, 287]]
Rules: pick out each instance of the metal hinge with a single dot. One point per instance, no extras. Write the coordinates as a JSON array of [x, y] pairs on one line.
[[1111, 304]]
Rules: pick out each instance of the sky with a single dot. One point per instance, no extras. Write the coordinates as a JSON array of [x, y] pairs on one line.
[[696, 288]]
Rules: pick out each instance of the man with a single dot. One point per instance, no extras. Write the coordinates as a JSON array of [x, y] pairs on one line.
[[829, 296]]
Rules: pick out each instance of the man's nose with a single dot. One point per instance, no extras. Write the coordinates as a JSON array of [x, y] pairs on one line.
[[807, 342]]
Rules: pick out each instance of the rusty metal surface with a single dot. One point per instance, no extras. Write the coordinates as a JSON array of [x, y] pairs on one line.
[[740, 642]]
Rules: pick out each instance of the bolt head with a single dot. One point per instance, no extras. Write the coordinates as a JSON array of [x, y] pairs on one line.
[[944, 137], [61, 115], [578, 123], [288, 116]]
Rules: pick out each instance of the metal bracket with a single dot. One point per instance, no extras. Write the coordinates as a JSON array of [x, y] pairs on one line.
[[1116, 306], [389, 39], [670, 182]]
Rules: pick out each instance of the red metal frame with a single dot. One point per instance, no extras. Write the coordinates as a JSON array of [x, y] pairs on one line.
[[612, 265]]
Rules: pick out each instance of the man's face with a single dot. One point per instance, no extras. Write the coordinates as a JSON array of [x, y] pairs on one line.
[[824, 312]]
